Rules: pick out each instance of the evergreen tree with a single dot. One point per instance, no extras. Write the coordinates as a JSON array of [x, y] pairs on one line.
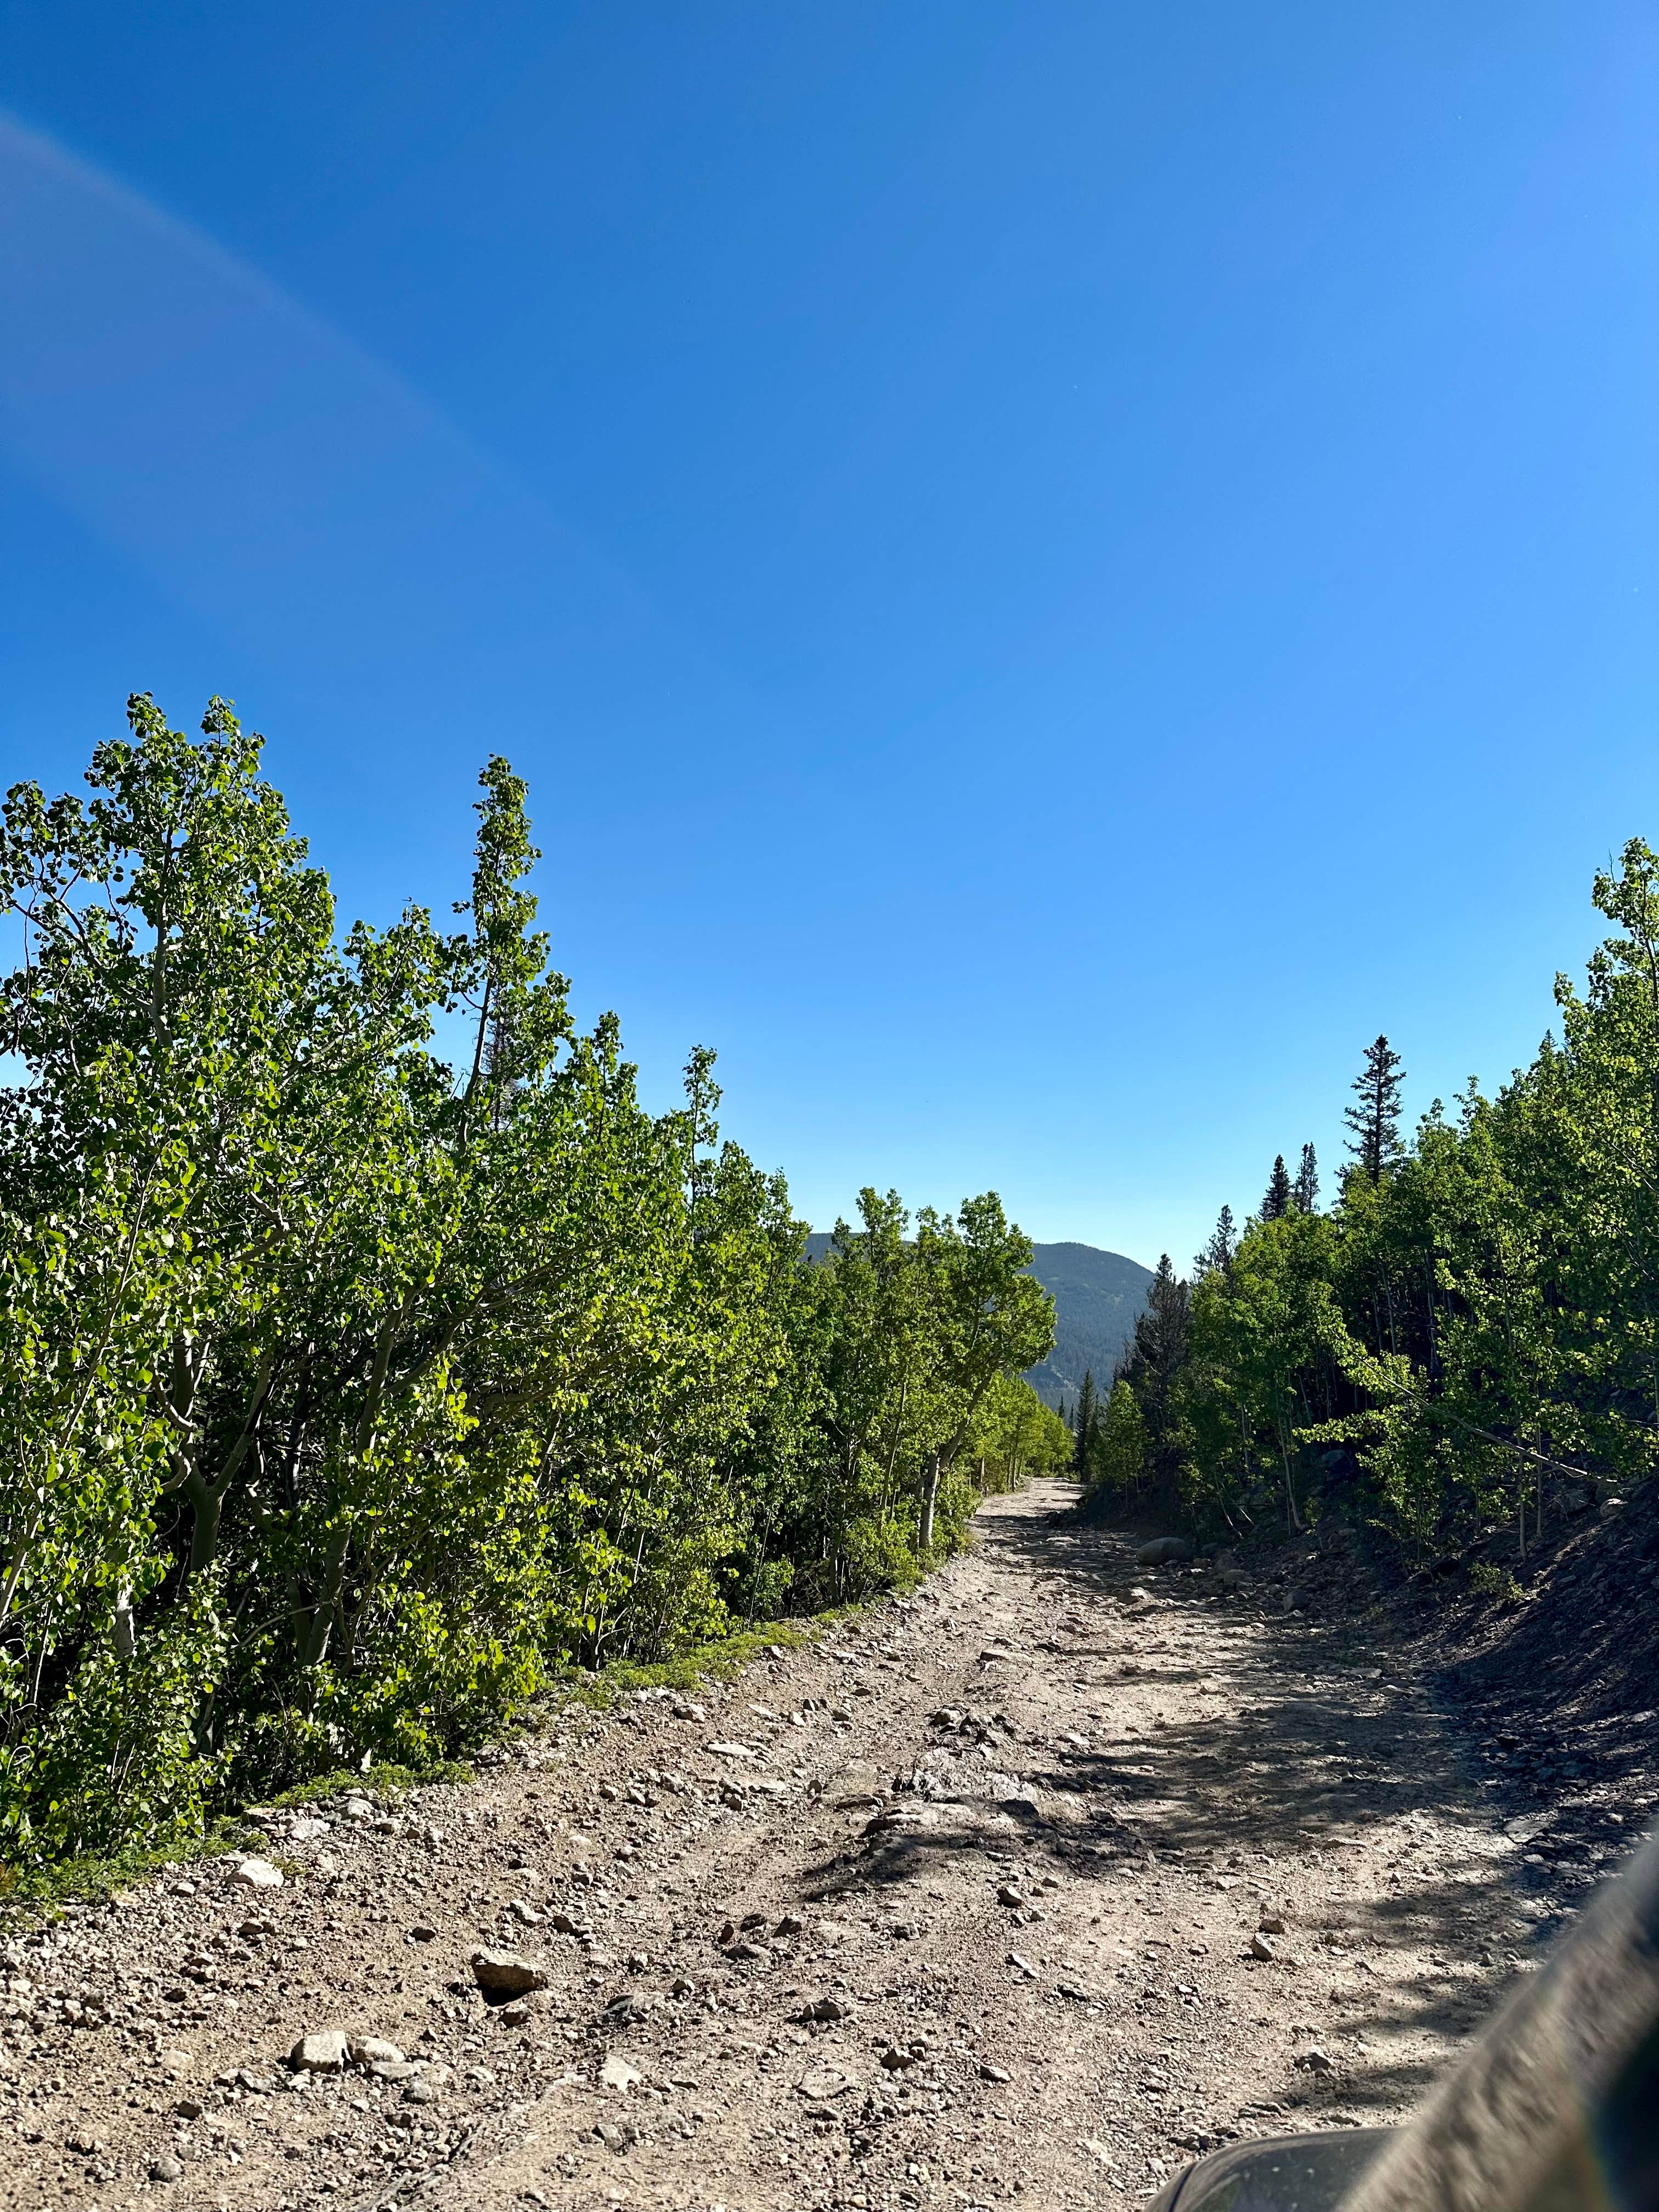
[[1375, 1120], [1163, 1339], [1082, 1427], [1277, 1201], [1307, 1181], [1218, 1254]]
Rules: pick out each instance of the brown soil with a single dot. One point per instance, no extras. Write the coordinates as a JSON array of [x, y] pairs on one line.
[[1012, 1842]]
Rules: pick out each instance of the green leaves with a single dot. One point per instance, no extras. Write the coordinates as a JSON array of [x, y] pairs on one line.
[[349, 1390]]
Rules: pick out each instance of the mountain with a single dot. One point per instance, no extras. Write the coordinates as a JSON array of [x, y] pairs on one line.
[[1097, 1298]]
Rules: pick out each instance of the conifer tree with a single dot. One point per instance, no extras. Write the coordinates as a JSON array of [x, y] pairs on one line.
[[1163, 1339], [1375, 1121], [1219, 1252], [1307, 1181], [1083, 1428], [1277, 1200]]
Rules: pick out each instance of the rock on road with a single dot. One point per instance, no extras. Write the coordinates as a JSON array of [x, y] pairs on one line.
[[1027, 1888]]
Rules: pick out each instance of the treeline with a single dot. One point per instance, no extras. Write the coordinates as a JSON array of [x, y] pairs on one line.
[[346, 1393], [1468, 1337]]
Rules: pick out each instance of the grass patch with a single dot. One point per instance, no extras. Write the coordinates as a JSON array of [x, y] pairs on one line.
[[696, 1666], [385, 1784], [98, 1875]]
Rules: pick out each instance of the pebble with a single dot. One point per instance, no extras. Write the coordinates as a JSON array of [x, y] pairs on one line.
[[1271, 1924], [629, 2008], [989, 2073], [1261, 1947], [166, 2168]]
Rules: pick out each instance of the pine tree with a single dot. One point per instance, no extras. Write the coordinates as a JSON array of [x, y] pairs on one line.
[[1163, 1339], [1218, 1254], [1082, 1430], [1375, 1120], [1277, 1202], [1307, 1181]]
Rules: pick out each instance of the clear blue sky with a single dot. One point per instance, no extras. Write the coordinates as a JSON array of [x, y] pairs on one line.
[[1053, 569]]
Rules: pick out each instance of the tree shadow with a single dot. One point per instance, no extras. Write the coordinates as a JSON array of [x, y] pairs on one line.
[[1314, 1754]]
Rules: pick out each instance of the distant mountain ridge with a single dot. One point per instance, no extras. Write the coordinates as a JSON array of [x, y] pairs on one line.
[[1097, 1296]]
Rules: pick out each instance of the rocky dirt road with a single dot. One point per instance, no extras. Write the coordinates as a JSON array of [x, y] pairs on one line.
[[1027, 1889]]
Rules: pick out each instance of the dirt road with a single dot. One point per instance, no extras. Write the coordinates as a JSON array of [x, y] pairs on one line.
[[1029, 1888]]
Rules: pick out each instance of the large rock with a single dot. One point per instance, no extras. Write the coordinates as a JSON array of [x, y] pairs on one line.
[[1163, 1550], [506, 1973]]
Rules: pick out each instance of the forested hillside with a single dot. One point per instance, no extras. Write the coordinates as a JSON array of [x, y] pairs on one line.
[[350, 1395], [1468, 1340], [1098, 1296]]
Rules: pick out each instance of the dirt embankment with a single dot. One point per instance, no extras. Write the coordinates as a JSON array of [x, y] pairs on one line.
[[1024, 1890]]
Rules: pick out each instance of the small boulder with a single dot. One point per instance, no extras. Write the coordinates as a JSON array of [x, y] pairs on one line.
[[1163, 1552], [1262, 1947], [506, 1974], [616, 2073], [258, 1873], [372, 2052], [323, 2050], [166, 2168]]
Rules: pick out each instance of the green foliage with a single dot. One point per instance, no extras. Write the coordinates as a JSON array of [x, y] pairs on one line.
[[352, 1394], [1489, 1580], [1118, 1467], [1015, 1435], [1476, 1320]]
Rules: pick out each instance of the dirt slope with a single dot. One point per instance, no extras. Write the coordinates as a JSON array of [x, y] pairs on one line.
[[964, 1908]]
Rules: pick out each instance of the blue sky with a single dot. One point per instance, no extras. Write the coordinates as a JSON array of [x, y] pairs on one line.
[[1052, 569]]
